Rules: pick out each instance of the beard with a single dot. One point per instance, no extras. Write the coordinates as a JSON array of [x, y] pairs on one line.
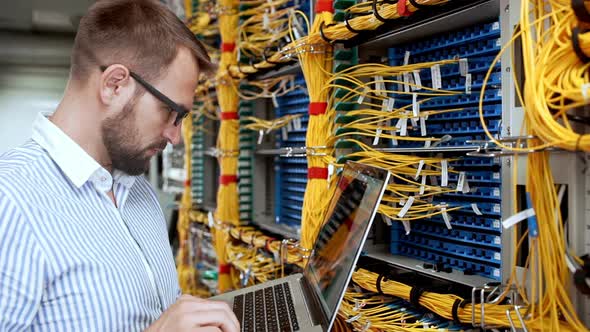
[[122, 142]]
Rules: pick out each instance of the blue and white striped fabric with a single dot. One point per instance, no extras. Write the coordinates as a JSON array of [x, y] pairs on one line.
[[70, 260]]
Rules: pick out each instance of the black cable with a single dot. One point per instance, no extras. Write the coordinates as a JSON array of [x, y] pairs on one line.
[[580, 10]]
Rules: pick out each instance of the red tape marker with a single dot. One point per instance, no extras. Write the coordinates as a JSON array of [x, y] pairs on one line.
[[228, 47], [227, 179], [224, 268], [402, 8], [229, 116], [317, 108], [317, 173], [324, 6]]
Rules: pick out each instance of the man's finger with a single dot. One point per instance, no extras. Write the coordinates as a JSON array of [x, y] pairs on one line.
[[218, 318]]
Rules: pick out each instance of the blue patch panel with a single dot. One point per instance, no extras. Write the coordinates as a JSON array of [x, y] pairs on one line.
[[455, 262], [291, 173], [474, 242], [441, 232]]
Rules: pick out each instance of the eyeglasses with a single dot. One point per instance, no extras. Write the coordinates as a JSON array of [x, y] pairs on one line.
[[181, 111]]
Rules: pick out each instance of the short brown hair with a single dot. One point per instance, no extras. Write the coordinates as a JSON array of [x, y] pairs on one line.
[[143, 35]]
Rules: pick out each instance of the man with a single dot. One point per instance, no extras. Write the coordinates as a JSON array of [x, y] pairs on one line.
[[83, 242]]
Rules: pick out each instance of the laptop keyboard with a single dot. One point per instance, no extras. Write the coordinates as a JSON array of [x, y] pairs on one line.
[[270, 309]]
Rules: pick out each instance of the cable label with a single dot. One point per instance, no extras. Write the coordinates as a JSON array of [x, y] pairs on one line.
[[377, 136], [406, 207], [406, 58], [404, 127], [468, 84], [386, 220], [284, 134], [415, 105], [362, 96], [436, 77], [417, 79], [445, 215], [444, 173], [407, 226], [423, 126], [463, 67], [419, 170], [461, 181], [520, 216], [423, 185], [476, 209]]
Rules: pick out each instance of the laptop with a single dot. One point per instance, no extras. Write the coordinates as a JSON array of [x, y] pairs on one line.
[[309, 301]]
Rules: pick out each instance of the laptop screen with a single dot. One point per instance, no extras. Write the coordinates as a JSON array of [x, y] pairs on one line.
[[342, 235]]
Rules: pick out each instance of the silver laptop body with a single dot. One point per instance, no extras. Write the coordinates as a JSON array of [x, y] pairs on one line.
[[310, 301]]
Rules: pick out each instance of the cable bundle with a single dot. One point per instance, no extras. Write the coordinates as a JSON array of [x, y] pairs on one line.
[[332, 32], [316, 64], [228, 140]]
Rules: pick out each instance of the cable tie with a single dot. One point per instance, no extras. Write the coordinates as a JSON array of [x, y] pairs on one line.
[[415, 295], [576, 45], [378, 283], [454, 311], [418, 5]]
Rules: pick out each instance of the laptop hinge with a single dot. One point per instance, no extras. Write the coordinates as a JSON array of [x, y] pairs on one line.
[[316, 311]]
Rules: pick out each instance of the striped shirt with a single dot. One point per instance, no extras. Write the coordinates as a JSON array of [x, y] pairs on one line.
[[70, 260]]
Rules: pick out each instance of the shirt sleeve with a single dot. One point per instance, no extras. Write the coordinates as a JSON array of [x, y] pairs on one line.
[[21, 269]]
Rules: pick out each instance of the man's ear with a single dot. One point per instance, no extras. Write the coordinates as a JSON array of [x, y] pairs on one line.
[[115, 82]]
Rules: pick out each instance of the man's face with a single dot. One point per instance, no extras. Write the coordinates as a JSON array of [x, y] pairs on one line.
[[145, 125]]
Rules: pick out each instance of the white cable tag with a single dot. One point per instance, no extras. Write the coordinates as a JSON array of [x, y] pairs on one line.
[[390, 104], [330, 172], [427, 144], [384, 105], [476, 209], [402, 202], [520, 216], [468, 84], [461, 181], [275, 102], [366, 327], [404, 128], [398, 124], [284, 133], [423, 126], [386, 220], [260, 136], [419, 170], [362, 96], [400, 85], [406, 207], [444, 173], [446, 216], [406, 82], [379, 85], [407, 226], [297, 33], [466, 187], [289, 126], [415, 105], [298, 124], [413, 86], [463, 67], [377, 135], [406, 58], [436, 77], [423, 185], [265, 21], [414, 123], [210, 219], [417, 79], [353, 318], [393, 140]]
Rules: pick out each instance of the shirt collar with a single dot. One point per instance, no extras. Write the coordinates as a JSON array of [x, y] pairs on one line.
[[75, 163]]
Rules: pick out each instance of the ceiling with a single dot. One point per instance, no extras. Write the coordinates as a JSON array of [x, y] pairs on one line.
[[42, 15]]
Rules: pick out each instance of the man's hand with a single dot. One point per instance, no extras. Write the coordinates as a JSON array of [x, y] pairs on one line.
[[190, 313]]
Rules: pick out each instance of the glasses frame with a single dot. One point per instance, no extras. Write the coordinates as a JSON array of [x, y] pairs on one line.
[[181, 111]]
